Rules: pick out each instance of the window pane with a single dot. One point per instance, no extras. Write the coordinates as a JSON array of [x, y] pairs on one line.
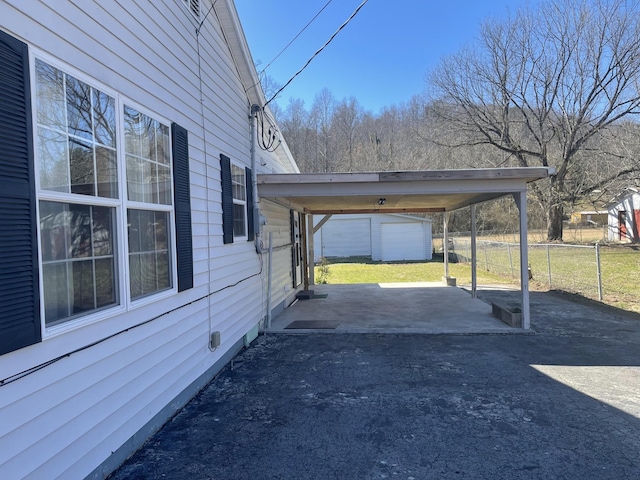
[[104, 118], [83, 286], [149, 274], [102, 222], [135, 191], [56, 292], [80, 225], [133, 222], [238, 221], [147, 232], [162, 142], [75, 281], [79, 108], [238, 182], [149, 174], [132, 129], [54, 160], [149, 143], [163, 185], [105, 283], [135, 275], [161, 231], [149, 266], [81, 163], [164, 278], [50, 96], [55, 234], [107, 172]]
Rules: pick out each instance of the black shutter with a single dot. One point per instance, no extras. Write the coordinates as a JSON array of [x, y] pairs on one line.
[[250, 226], [227, 199], [182, 195], [19, 290]]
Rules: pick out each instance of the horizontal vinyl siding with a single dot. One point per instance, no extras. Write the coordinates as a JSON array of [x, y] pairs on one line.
[[67, 418], [278, 223]]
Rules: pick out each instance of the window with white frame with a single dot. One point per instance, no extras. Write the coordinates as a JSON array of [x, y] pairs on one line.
[[239, 189], [86, 140]]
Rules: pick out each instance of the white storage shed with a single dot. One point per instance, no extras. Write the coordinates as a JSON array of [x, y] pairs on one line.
[[383, 237]]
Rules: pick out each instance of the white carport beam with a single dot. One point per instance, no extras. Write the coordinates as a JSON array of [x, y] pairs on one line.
[[324, 220], [521, 202]]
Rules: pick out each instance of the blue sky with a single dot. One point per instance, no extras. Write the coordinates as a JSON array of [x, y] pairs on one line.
[[381, 58]]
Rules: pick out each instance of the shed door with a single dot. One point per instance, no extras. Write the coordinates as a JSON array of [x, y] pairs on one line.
[[403, 241], [622, 225], [346, 238]]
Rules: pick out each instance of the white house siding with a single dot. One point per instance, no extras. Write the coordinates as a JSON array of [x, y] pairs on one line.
[[279, 225], [64, 419], [630, 203]]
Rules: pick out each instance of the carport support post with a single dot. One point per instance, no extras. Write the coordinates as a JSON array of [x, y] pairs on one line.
[[312, 253], [474, 279], [521, 202], [445, 239], [305, 256]]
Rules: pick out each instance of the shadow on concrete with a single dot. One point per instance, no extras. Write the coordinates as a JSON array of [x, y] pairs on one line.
[[561, 404]]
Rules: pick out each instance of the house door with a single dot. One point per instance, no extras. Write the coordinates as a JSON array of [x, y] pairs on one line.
[[622, 225], [296, 248]]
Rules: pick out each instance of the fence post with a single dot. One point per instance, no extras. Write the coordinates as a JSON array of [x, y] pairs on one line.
[[510, 259], [599, 271], [486, 258], [549, 265]]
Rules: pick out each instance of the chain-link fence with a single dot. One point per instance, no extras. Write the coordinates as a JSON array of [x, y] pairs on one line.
[[573, 268]]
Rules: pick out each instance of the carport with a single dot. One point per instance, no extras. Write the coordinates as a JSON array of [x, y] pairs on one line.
[[434, 191]]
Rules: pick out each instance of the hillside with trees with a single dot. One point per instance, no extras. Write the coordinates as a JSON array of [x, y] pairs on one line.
[[558, 86]]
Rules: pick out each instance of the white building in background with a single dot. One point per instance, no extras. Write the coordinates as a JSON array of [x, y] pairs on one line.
[[624, 216], [129, 275], [380, 236]]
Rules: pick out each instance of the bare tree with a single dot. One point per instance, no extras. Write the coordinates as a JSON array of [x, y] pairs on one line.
[[542, 87], [346, 118], [322, 115]]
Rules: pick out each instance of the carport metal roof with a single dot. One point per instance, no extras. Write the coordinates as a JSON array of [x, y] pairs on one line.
[[410, 192], [395, 192]]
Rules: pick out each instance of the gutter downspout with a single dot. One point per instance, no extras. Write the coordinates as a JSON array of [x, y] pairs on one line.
[[254, 181]]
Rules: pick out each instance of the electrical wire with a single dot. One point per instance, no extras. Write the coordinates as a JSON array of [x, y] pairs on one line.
[[296, 37], [317, 52], [268, 136], [18, 376]]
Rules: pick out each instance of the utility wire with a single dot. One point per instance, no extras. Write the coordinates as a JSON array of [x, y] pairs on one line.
[[296, 37], [317, 52]]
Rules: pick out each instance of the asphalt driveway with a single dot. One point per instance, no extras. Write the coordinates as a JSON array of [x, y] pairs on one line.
[[561, 404]]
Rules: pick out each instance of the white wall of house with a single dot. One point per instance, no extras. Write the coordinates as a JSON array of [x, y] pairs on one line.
[[385, 237], [628, 203], [93, 388]]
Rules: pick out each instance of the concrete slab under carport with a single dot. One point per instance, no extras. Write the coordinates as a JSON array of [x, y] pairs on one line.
[[420, 307]]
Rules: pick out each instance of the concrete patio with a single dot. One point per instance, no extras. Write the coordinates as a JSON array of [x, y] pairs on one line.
[[560, 404], [421, 307]]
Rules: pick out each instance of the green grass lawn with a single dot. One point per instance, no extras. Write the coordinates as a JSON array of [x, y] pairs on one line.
[[345, 271]]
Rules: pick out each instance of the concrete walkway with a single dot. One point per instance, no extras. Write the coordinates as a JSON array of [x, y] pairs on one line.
[[425, 307], [561, 404]]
